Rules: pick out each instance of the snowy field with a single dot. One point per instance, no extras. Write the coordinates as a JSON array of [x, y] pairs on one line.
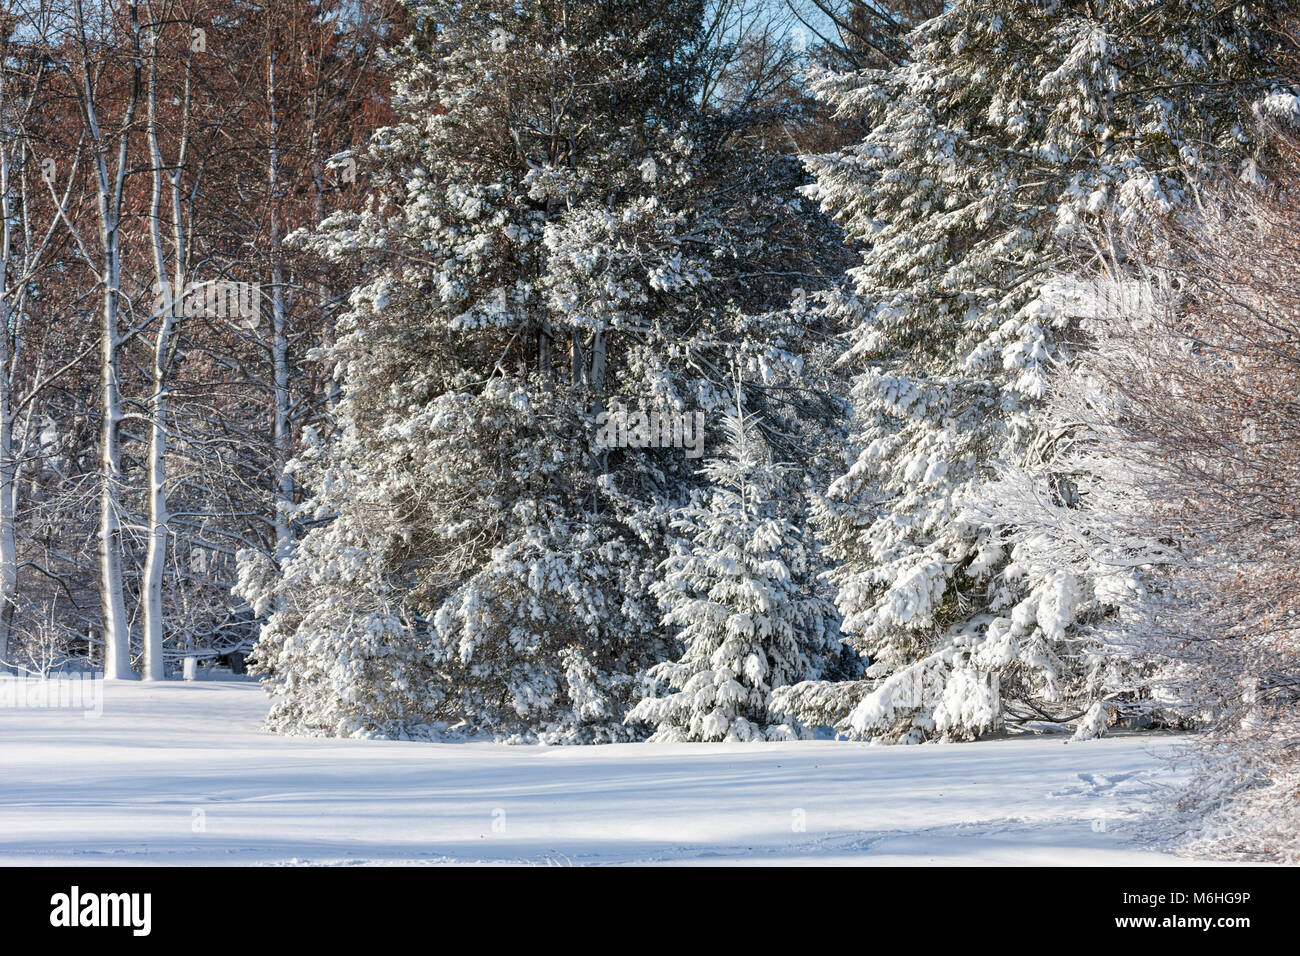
[[184, 774]]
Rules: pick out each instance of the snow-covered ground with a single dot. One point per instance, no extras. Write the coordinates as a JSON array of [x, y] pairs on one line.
[[183, 773]]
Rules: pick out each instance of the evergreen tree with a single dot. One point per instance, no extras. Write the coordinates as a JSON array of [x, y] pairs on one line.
[[554, 231], [740, 591], [1012, 123]]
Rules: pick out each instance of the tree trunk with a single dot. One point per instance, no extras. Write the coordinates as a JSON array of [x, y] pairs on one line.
[[112, 600], [8, 466]]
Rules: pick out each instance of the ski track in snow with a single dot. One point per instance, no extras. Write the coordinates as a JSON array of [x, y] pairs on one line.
[[184, 774]]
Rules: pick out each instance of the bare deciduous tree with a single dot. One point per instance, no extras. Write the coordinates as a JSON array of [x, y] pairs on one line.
[[1181, 471]]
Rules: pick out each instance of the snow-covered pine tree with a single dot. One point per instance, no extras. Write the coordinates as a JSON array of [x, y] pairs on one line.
[[1011, 123], [554, 230], [740, 591]]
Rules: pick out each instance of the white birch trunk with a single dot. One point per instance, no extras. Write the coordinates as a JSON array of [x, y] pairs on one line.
[[280, 424], [159, 527], [112, 600], [282, 491], [8, 462], [8, 489], [156, 546]]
